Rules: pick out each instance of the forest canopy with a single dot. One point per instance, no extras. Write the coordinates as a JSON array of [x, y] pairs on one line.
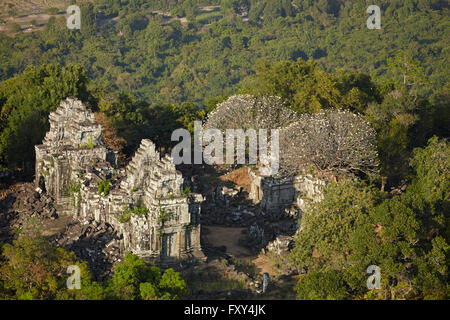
[[131, 45]]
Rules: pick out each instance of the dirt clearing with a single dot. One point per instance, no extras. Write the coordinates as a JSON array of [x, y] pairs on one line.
[[228, 237]]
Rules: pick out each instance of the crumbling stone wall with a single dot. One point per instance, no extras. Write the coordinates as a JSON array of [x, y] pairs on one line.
[[277, 194], [145, 203]]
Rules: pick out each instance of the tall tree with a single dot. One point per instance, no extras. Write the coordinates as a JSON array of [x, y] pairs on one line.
[[26, 102]]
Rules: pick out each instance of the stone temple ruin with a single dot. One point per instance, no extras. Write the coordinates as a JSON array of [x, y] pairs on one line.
[[146, 203], [279, 194]]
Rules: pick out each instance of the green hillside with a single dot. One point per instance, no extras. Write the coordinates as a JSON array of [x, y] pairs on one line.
[[194, 52]]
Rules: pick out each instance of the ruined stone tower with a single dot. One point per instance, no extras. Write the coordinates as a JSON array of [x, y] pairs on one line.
[[146, 202]]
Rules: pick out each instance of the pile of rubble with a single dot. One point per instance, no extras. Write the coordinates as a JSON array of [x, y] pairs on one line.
[[204, 278], [231, 207], [22, 203], [91, 241], [227, 207], [32, 201]]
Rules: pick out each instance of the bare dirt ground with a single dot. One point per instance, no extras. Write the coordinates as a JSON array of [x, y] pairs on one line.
[[228, 237], [54, 227], [238, 177], [208, 8], [168, 17], [281, 289], [42, 17], [264, 265], [25, 21], [32, 6], [25, 11]]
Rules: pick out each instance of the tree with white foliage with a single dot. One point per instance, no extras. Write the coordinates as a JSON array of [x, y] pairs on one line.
[[334, 141], [249, 112]]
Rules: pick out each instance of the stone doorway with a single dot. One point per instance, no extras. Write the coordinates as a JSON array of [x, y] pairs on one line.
[[168, 248]]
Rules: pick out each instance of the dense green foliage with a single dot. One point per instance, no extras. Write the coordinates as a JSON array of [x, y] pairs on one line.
[[137, 279], [176, 69], [356, 226], [32, 268], [305, 87], [25, 104], [164, 60]]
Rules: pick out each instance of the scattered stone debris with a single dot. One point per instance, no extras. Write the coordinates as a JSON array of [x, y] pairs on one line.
[[32, 201], [280, 244], [21, 203], [204, 281], [96, 243], [231, 207]]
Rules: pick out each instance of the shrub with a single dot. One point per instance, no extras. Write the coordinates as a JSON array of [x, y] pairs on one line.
[[187, 191], [164, 215], [327, 285], [89, 145], [137, 210], [125, 217], [103, 187], [52, 10], [73, 187], [15, 27], [136, 279]]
